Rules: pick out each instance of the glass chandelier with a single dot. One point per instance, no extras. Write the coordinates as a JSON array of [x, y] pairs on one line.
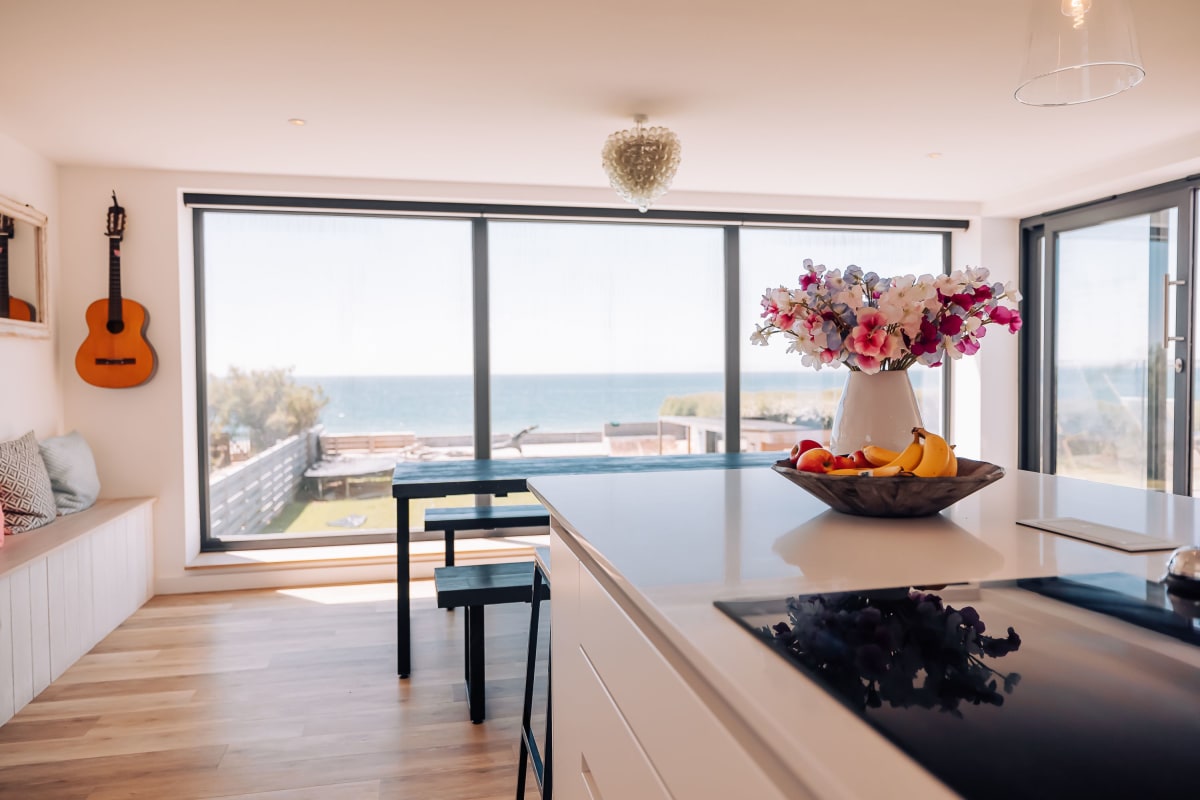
[[641, 162], [1079, 50]]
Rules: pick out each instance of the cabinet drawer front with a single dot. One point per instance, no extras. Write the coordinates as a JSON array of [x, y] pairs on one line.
[[613, 765], [690, 747]]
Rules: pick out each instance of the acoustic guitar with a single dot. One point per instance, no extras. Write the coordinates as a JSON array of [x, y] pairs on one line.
[[10, 307], [116, 353]]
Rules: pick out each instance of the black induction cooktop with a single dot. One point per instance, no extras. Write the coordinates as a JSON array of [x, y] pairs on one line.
[[1010, 689]]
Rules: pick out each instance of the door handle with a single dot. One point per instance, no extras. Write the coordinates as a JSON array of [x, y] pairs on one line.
[[1167, 337]]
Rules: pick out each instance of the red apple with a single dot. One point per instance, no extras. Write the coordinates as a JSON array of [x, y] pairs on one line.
[[860, 460], [802, 446], [844, 462], [818, 459]]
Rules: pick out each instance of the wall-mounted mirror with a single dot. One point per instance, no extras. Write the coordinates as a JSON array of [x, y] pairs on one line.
[[24, 289]]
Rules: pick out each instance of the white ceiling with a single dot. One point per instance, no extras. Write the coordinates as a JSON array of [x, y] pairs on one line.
[[841, 98]]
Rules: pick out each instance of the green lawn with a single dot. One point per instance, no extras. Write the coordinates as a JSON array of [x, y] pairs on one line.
[[314, 516]]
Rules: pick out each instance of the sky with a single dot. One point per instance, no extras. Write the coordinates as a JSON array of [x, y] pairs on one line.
[[355, 295]]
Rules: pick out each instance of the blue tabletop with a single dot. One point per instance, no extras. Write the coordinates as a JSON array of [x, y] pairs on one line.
[[439, 478]]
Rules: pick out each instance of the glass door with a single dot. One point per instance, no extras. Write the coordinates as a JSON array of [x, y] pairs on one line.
[[1120, 335]]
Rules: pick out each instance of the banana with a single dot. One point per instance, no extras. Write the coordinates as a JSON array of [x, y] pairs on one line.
[[936, 456], [909, 457], [951, 470], [879, 456], [876, 472]]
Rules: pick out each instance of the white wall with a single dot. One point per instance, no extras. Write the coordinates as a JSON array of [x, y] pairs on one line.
[[984, 392], [145, 438], [29, 395]]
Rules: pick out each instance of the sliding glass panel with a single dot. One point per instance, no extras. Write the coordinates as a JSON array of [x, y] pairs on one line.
[[335, 346], [1114, 357], [783, 400], [606, 339]]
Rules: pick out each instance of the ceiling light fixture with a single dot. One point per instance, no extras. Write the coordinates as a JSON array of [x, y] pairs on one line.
[[1079, 51], [299, 123], [641, 162]]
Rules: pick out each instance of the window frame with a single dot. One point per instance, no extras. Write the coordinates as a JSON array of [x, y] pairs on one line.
[[731, 224], [1038, 346]]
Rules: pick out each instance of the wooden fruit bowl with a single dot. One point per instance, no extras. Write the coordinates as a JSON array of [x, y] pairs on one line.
[[899, 496]]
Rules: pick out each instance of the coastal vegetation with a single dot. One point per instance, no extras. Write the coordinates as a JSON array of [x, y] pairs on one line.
[[809, 409], [261, 406]]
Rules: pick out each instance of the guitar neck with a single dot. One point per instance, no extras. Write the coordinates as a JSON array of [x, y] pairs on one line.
[[114, 280]]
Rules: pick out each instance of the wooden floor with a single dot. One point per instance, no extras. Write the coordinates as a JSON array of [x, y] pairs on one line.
[[270, 694]]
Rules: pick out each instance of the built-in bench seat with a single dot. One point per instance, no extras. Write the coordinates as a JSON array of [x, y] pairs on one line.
[[64, 587], [481, 518]]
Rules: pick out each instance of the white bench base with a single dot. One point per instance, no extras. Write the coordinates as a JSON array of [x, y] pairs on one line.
[[66, 586]]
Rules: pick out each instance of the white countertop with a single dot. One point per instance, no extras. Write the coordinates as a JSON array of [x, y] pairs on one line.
[[673, 542]]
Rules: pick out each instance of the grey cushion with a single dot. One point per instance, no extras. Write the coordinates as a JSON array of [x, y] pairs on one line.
[[72, 472], [25, 490]]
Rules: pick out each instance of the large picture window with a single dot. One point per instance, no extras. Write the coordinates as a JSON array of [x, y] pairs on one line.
[[333, 346], [336, 342], [607, 339]]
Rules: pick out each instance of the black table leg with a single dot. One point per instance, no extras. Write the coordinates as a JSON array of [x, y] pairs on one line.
[[403, 621]]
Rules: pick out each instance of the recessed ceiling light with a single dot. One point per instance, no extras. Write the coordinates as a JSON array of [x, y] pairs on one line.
[[933, 155], [299, 123]]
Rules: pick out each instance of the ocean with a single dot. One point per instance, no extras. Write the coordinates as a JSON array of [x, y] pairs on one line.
[[441, 405]]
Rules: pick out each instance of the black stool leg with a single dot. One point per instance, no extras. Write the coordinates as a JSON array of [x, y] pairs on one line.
[[475, 672], [529, 747], [449, 549]]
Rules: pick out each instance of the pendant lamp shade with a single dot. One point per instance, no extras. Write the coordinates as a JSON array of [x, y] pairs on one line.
[[1079, 51]]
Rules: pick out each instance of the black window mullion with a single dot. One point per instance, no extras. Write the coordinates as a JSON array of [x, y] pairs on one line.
[[733, 340]]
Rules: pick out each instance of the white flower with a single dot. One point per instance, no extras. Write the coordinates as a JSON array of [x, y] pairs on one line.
[[977, 276], [758, 337], [1010, 292], [951, 351], [850, 297]]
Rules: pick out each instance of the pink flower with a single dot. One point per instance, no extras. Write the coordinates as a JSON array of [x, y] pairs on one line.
[[968, 346], [784, 321], [963, 301], [951, 325], [871, 318], [808, 280], [870, 338], [1007, 316], [868, 364]]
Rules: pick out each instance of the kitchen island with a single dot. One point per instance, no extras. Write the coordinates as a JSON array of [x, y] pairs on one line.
[[657, 693]]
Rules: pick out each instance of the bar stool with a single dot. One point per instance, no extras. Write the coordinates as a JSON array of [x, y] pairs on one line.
[[541, 762]]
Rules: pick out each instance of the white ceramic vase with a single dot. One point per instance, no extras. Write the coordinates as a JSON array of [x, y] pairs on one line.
[[879, 409]]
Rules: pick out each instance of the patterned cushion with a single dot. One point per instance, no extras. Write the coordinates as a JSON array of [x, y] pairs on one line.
[[25, 490], [72, 472]]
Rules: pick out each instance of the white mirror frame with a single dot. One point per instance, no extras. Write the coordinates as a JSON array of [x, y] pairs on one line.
[[41, 328]]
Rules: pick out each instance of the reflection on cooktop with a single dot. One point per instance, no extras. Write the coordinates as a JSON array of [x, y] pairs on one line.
[[997, 690]]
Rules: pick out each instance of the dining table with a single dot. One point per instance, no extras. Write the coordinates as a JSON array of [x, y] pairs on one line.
[[417, 480]]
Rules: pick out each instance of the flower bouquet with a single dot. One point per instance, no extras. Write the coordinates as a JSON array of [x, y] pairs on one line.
[[873, 324]]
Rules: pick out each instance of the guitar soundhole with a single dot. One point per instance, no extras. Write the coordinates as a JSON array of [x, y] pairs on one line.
[[114, 326], [115, 362]]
